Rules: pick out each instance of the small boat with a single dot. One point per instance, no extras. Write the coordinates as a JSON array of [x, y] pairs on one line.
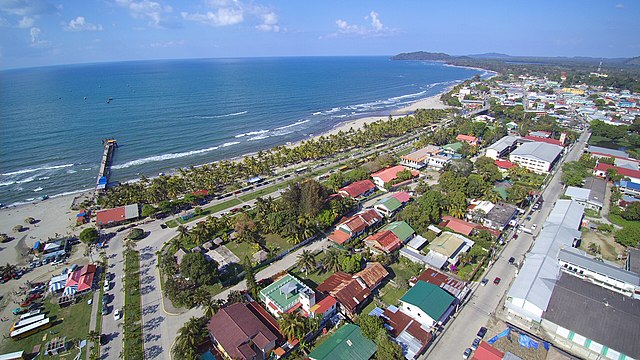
[[109, 100], [85, 98], [44, 197]]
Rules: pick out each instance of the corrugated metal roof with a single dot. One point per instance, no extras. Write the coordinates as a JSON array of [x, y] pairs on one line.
[[538, 150], [600, 267], [347, 343], [429, 298], [577, 193]]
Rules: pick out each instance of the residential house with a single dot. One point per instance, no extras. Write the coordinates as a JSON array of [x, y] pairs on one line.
[[358, 189], [494, 216], [111, 217], [346, 343], [447, 248], [451, 285], [471, 140], [428, 304], [240, 333], [419, 158], [437, 162], [409, 333], [351, 292], [355, 226], [384, 177], [452, 149], [287, 294], [459, 225], [372, 275], [388, 206], [504, 165], [582, 195], [601, 171], [391, 237], [538, 157], [629, 187], [325, 309]]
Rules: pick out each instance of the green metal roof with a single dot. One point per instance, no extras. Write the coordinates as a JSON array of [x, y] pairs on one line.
[[284, 292], [391, 203], [347, 343], [455, 147], [429, 298], [401, 229]]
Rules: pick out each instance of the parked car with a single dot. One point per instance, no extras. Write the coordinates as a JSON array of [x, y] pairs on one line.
[[475, 344], [534, 226], [106, 285], [484, 281], [483, 330], [496, 280], [512, 260], [163, 226], [467, 353], [117, 315], [105, 309]]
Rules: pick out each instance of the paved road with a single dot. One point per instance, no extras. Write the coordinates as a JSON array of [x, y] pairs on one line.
[[112, 349], [461, 331]]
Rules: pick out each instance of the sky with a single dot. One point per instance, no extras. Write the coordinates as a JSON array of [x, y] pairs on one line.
[[52, 32]]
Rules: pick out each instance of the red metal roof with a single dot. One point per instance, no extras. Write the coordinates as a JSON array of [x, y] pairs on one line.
[[345, 289], [373, 274], [622, 171], [324, 304], [467, 138], [544, 140], [459, 226], [358, 188], [391, 173], [339, 237], [505, 164], [487, 352], [104, 217], [402, 196], [399, 322], [385, 240]]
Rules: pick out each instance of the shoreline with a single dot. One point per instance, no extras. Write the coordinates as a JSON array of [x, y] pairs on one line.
[[55, 216]]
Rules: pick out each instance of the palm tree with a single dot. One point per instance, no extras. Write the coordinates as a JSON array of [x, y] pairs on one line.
[[306, 260], [332, 260], [292, 326], [183, 232], [211, 307], [192, 334], [93, 336]]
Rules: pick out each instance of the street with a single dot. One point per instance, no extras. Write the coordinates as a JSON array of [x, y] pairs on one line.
[[483, 302]]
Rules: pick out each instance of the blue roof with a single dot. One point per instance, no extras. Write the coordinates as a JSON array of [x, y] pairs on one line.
[[629, 185]]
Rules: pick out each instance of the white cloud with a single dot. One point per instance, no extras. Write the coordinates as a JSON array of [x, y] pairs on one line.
[[376, 27], [80, 24], [375, 21], [146, 9], [26, 22], [4, 22], [620, 6], [35, 38], [222, 17], [269, 22], [27, 7], [167, 44]]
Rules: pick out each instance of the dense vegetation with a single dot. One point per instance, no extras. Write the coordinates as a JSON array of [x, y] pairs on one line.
[[216, 175]]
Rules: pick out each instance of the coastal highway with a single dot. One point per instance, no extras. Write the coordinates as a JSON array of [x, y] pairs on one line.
[[460, 332]]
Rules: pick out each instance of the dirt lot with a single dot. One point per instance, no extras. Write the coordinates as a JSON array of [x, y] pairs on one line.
[[609, 249], [496, 326]]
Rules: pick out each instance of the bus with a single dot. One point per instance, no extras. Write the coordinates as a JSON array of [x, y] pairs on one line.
[[27, 321], [301, 170], [30, 314], [25, 331]]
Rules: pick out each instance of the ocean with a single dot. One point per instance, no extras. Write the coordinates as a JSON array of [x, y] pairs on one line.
[[177, 113]]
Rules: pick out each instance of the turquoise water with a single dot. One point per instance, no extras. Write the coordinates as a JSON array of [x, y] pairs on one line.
[[170, 114]]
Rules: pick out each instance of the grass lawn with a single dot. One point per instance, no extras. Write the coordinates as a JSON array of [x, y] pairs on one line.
[[215, 289], [317, 277], [405, 269], [390, 294], [133, 344], [275, 240], [240, 249], [71, 321], [618, 220], [264, 191]]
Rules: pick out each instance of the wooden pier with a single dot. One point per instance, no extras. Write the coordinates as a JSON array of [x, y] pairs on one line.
[[105, 165]]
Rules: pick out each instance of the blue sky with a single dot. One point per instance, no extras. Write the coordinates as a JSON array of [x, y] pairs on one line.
[[48, 32]]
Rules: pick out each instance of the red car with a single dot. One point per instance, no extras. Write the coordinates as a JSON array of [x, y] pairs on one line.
[[496, 280]]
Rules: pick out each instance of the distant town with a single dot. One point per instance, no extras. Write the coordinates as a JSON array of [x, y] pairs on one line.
[[503, 222]]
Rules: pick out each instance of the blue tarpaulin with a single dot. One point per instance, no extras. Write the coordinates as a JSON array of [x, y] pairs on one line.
[[527, 342], [546, 345], [36, 246], [504, 333]]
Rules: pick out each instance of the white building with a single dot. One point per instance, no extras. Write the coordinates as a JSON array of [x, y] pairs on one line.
[[538, 157], [502, 147]]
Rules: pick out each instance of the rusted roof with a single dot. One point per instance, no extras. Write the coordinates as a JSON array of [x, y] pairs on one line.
[[373, 274], [358, 188]]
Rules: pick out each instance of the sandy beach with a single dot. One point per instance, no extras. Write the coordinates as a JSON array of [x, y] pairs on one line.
[[55, 216]]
